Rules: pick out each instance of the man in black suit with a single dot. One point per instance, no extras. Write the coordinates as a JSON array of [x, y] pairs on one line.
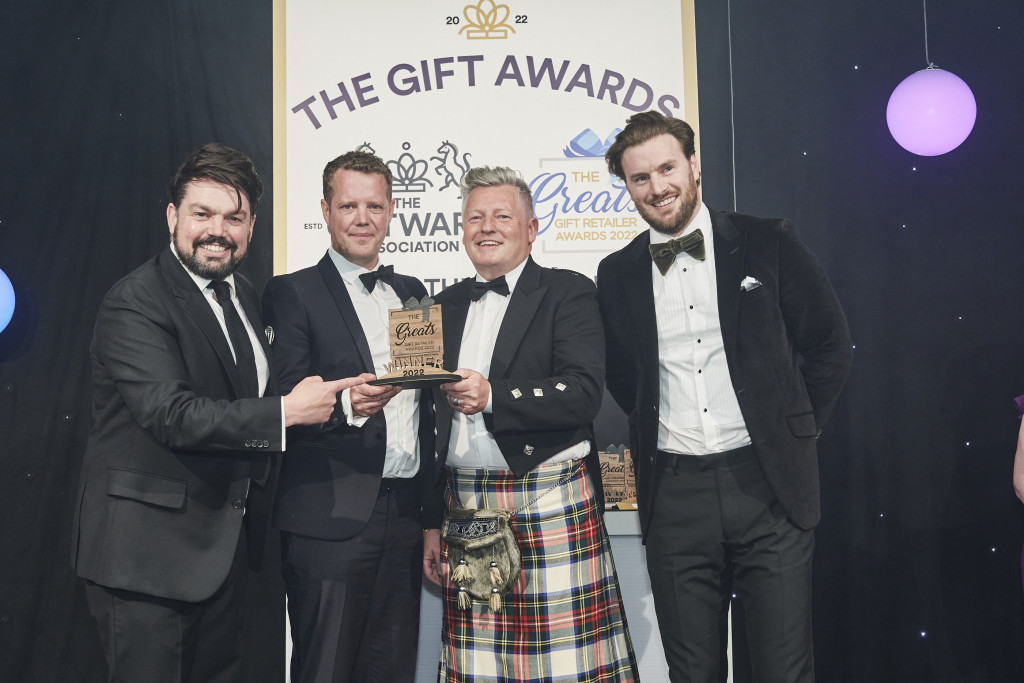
[[349, 501], [176, 463], [727, 348], [516, 433]]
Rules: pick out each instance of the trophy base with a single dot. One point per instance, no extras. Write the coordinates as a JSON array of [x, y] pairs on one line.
[[417, 381]]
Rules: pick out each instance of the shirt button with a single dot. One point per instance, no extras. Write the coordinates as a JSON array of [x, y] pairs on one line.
[[237, 504]]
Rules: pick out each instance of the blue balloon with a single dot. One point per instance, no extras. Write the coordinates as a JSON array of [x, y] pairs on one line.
[[6, 300]]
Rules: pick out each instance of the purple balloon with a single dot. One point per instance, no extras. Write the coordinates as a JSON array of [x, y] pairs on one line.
[[931, 112]]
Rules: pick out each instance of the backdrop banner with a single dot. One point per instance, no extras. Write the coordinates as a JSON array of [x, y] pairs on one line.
[[436, 88]]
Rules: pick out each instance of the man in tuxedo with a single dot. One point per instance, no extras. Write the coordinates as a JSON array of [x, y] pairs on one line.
[[176, 463], [349, 502], [727, 348], [516, 433]]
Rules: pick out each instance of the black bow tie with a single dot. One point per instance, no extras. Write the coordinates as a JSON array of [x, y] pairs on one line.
[[664, 254], [385, 274], [498, 285]]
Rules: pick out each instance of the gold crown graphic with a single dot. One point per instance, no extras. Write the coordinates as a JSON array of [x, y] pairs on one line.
[[486, 21]]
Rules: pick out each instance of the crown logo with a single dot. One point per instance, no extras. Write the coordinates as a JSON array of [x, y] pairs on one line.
[[408, 173], [486, 21]]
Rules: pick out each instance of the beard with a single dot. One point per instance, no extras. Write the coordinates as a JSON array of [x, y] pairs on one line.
[[675, 224], [207, 269]]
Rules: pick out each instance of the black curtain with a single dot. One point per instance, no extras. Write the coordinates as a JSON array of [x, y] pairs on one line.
[[918, 560], [100, 103]]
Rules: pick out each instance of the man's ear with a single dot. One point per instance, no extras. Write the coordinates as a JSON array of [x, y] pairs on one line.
[[172, 217]]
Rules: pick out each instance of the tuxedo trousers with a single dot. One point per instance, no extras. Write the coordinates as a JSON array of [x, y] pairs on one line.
[[147, 639], [354, 604], [715, 516]]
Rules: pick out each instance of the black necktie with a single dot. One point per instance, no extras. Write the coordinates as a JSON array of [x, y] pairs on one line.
[[498, 285], [245, 361], [385, 274], [664, 254]]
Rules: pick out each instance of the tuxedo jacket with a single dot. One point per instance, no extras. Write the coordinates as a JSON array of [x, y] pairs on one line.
[[547, 370], [330, 476], [167, 465], [787, 346]]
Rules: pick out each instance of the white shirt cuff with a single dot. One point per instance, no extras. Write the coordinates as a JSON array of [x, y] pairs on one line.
[[346, 404]]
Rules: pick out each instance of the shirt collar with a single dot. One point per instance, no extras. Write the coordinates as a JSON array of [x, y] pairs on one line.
[[349, 271]]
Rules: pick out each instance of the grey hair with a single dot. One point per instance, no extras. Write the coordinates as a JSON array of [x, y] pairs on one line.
[[486, 176]]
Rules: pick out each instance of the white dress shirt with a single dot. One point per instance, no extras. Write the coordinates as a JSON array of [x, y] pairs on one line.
[[402, 412], [699, 413], [471, 445]]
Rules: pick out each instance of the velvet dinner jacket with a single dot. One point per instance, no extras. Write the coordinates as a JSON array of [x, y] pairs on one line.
[[168, 462], [787, 346], [547, 370], [330, 476]]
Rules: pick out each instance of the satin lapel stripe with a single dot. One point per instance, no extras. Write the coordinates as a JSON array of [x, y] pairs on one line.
[[453, 316], [336, 286]]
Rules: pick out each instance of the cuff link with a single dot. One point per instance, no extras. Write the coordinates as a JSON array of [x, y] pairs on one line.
[[560, 386], [516, 393], [538, 392]]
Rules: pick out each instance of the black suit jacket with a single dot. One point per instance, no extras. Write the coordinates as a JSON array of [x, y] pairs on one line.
[[167, 464], [330, 477], [786, 342], [547, 370]]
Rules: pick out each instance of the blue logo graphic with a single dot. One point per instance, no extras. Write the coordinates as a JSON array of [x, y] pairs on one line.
[[587, 144]]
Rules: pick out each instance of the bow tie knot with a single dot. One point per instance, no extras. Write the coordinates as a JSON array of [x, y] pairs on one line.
[[497, 285], [385, 274], [665, 253]]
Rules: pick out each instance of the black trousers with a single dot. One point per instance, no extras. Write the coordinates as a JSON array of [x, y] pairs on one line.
[[147, 639], [716, 516], [354, 605]]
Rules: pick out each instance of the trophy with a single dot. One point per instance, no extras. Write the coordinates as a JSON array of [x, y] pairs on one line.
[[416, 339]]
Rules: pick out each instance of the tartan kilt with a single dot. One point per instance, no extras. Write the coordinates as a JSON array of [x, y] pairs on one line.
[[563, 620]]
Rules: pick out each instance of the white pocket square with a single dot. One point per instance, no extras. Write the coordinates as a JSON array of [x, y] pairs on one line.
[[750, 283]]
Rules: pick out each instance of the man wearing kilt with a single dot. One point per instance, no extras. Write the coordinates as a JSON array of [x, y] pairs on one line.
[[516, 434]]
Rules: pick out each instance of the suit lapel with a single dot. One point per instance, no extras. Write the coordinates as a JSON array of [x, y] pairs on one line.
[[336, 287], [453, 315], [729, 258], [522, 306], [402, 290], [196, 307], [638, 293]]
